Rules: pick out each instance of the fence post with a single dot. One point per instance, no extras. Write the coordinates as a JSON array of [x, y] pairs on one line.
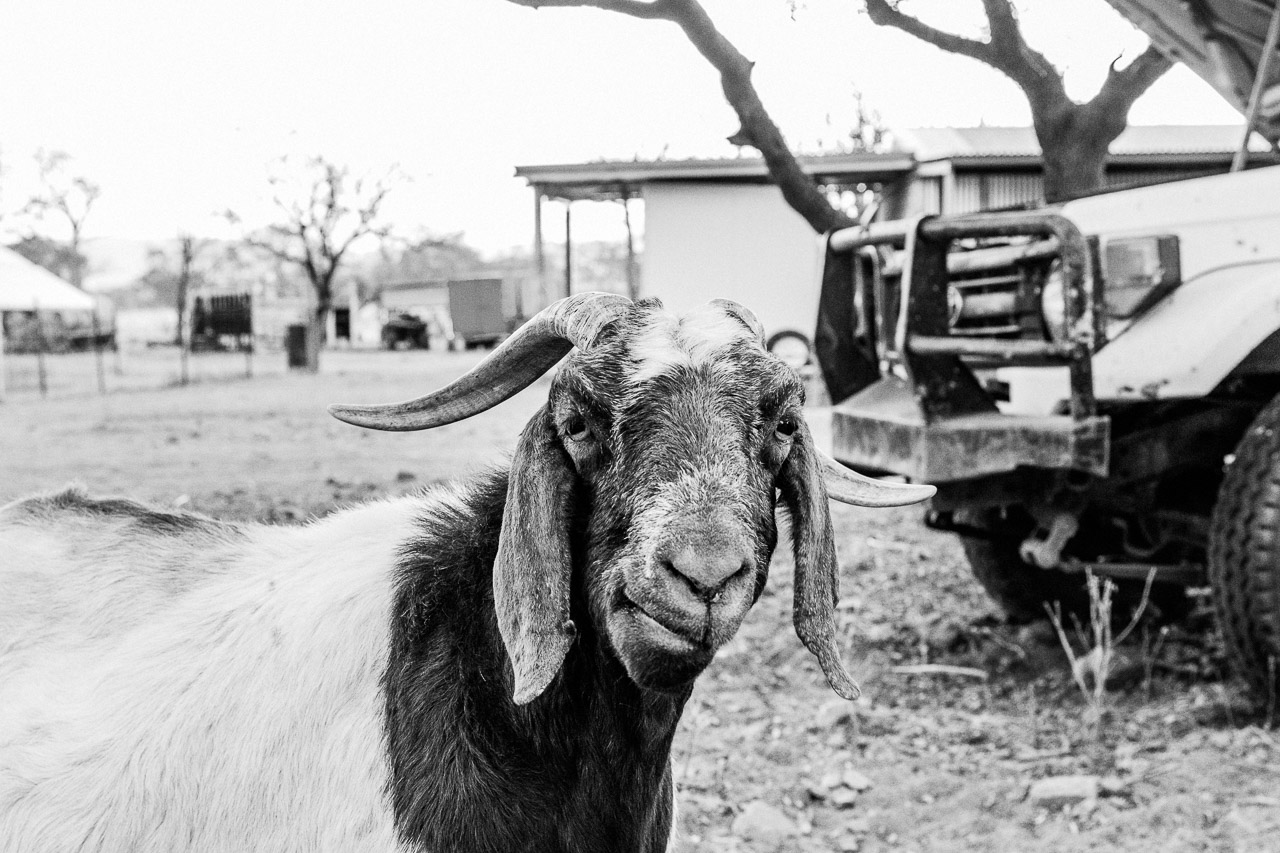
[[97, 353], [40, 350], [248, 353], [3, 374], [184, 347]]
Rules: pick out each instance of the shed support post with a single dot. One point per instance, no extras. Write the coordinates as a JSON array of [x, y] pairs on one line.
[[633, 284], [97, 353], [2, 365], [540, 250], [568, 247]]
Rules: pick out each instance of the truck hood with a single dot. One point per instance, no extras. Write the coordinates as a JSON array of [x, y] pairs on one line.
[[1221, 40]]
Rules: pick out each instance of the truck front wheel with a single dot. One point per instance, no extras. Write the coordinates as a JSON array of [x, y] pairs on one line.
[[1244, 553]]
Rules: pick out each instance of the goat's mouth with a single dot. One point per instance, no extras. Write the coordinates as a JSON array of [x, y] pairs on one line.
[[669, 638], [656, 655]]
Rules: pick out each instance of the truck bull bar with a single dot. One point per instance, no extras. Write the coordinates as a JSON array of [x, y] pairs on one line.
[[928, 417]]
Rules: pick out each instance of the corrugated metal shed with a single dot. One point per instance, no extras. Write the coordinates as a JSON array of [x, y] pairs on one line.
[[611, 179], [1137, 143]]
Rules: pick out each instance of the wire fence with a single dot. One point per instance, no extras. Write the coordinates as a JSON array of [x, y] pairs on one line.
[[72, 374]]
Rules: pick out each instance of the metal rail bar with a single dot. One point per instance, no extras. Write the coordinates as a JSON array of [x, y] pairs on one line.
[[1008, 350], [989, 258], [875, 234], [944, 388], [1255, 96]]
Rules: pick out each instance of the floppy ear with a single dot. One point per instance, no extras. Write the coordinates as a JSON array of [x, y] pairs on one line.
[[817, 573], [532, 571]]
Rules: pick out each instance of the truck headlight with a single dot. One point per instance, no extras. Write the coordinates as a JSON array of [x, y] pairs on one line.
[[1053, 306], [1138, 272]]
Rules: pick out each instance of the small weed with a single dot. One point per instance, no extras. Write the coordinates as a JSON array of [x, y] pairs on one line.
[[1092, 667]]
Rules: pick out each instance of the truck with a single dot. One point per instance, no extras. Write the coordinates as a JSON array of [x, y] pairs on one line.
[[483, 310], [1093, 386]]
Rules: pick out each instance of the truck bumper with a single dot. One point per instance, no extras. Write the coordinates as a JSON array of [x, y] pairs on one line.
[[882, 428]]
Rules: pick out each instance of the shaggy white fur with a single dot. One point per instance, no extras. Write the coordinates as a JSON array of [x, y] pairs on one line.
[[212, 689], [694, 340]]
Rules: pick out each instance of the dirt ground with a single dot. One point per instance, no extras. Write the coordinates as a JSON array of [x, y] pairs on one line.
[[767, 757]]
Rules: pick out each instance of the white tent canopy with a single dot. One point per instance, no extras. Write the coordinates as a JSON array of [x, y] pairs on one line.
[[24, 286]]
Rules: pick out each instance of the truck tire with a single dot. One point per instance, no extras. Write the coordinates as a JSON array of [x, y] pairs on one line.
[[792, 347], [1023, 591], [1244, 553]]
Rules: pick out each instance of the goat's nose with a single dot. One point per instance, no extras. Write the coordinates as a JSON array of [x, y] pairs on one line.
[[704, 566]]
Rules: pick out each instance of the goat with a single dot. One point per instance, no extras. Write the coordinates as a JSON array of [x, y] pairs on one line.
[[497, 666]]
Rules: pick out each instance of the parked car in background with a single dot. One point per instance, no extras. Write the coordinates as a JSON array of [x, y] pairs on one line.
[[405, 331], [483, 310]]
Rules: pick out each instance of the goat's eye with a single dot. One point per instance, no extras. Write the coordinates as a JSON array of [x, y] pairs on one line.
[[576, 427], [787, 427]]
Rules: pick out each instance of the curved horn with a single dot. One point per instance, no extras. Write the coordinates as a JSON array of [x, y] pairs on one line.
[[850, 487], [744, 315], [531, 351]]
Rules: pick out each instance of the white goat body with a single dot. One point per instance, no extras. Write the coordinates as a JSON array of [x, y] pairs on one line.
[[143, 673]]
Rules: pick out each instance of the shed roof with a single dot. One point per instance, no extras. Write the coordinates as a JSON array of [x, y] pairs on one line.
[[1137, 141], [607, 179], [979, 148]]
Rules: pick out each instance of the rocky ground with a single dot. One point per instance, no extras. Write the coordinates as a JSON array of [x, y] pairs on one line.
[[971, 734]]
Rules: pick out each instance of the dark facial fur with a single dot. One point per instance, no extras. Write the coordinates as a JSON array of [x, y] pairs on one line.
[[679, 470]]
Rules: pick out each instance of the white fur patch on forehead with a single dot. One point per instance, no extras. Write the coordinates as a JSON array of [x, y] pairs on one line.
[[695, 339]]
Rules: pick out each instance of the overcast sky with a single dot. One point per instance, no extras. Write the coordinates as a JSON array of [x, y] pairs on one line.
[[175, 108]]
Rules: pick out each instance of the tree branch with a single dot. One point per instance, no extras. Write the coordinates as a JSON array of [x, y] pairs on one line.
[[276, 251], [1125, 85], [757, 128], [651, 10], [1003, 23], [1007, 51], [884, 15]]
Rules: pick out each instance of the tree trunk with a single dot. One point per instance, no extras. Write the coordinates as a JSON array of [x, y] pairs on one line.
[[315, 337], [1074, 165]]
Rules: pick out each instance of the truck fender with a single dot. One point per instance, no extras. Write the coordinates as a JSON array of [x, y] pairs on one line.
[[1191, 340]]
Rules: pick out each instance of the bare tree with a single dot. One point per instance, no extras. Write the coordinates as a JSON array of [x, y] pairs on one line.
[[53, 255], [68, 195], [180, 268], [325, 210], [1074, 137], [188, 248]]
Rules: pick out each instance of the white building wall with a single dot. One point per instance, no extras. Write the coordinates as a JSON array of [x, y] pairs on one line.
[[741, 242]]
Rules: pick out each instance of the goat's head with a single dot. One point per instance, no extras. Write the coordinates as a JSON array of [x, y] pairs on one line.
[[657, 457]]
